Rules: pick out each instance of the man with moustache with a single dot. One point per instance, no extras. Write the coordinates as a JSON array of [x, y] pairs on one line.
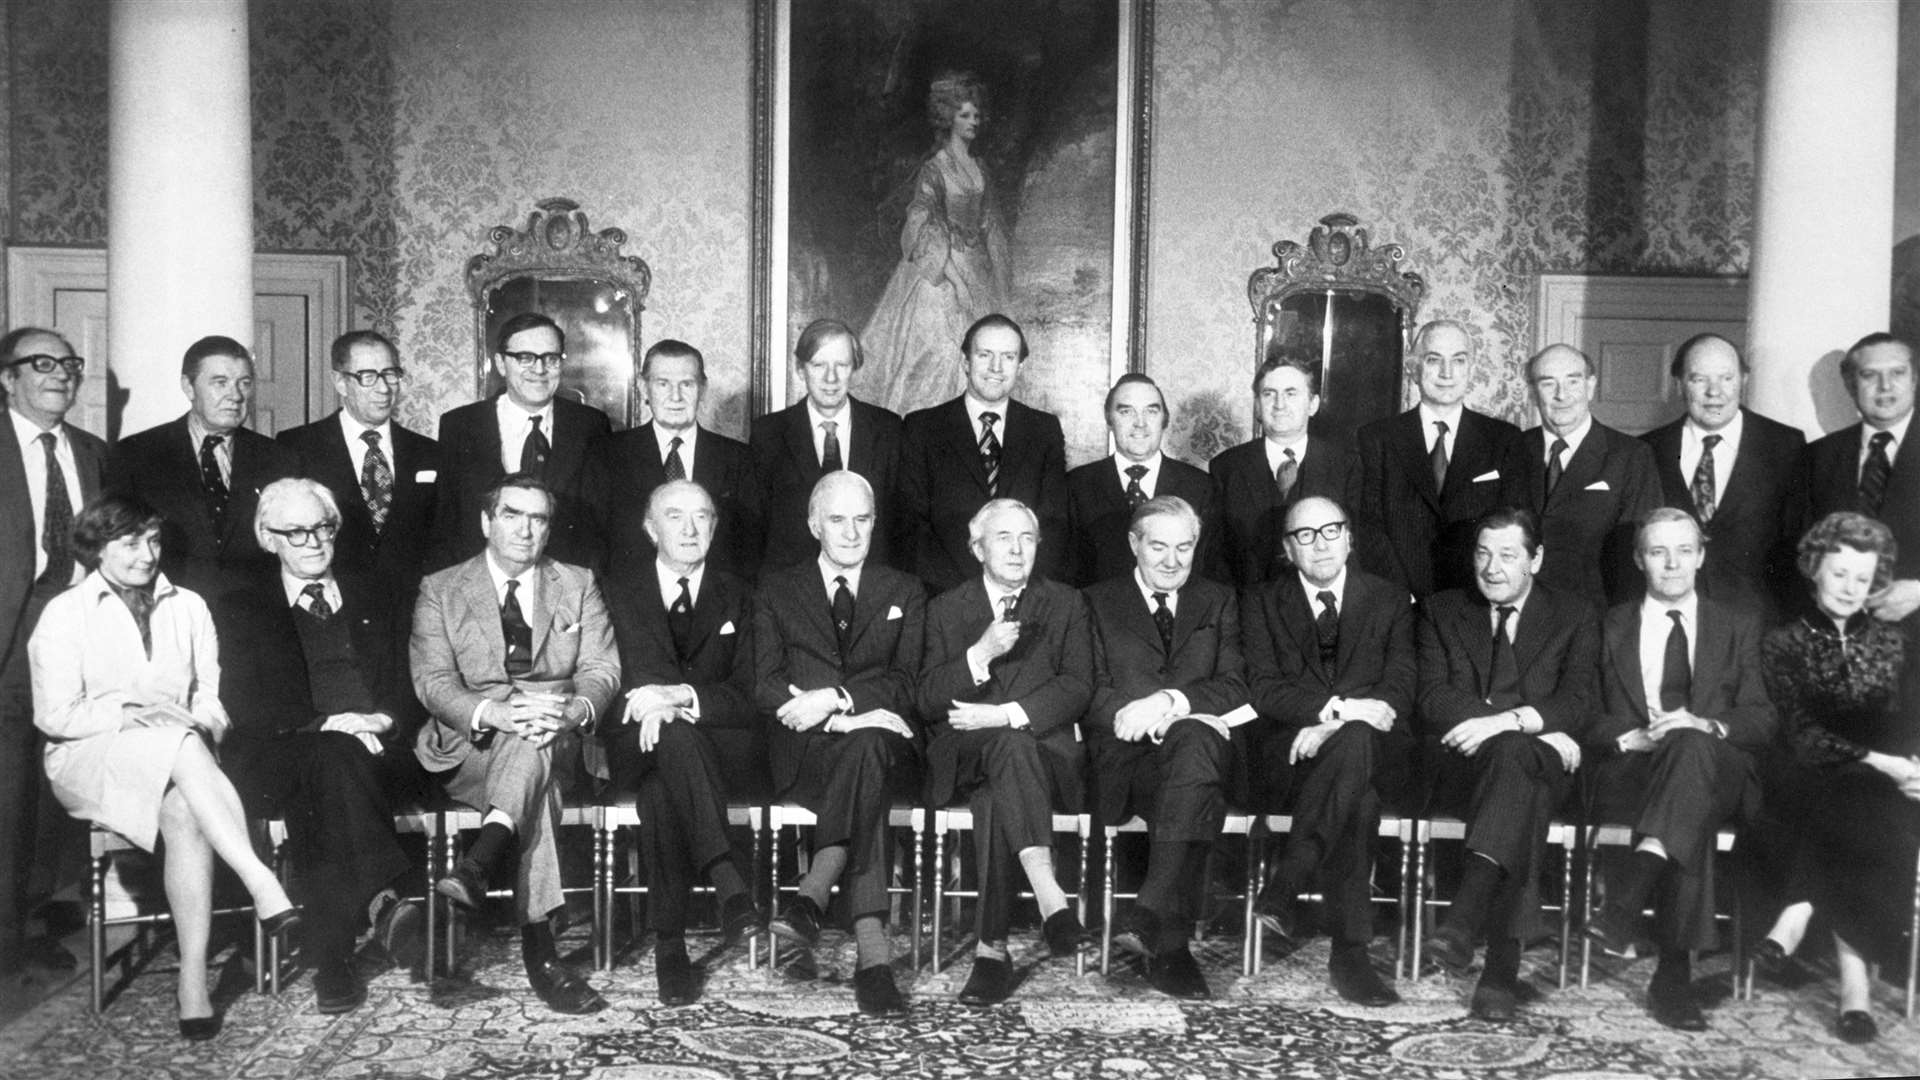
[[49, 469], [1103, 495], [1422, 477], [1738, 473], [204, 473]]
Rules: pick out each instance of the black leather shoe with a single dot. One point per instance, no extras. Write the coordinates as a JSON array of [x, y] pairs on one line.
[[1138, 932], [1672, 1004], [1856, 1027], [1494, 1002], [1175, 974], [740, 917], [562, 990], [466, 886], [1612, 930], [281, 923], [679, 983], [1771, 958], [337, 988], [1274, 909], [799, 922], [401, 931], [1450, 949], [202, 1028], [876, 993], [990, 983], [1354, 979], [1064, 935]]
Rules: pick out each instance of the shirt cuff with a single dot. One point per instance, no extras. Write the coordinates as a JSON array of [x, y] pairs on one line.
[[586, 726], [693, 710], [846, 699], [978, 668], [1181, 706], [1330, 712], [1016, 716], [476, 733], [1530, 719]]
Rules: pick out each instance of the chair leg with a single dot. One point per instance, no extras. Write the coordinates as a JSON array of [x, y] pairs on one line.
[[1405, 957], [1106, 904], [602, 898], [919, 890], [1913, 946], [97, 928], [939, 891], [1249, 927], [753, 869], [1080, 905], [1566, 911], [1587, 898], [1417, 888]]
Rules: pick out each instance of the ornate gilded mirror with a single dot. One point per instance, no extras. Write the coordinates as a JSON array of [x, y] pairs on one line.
[[559, 266], [1344, 303]]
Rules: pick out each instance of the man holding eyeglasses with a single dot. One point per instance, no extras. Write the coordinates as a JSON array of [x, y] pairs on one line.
[[526, 428], [315, 677], [381, 474], [1330, 667], [49, 469]]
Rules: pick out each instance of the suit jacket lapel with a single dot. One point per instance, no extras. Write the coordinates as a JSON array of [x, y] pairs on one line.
[[1352, 611], [1581, 469], [1296, 610], [1624, 643], [797, 431], [1526, 643], [483, 608], [1137, 617], [1712, 639], [568, 440], [706, 614], [1410, 441], [861, 449], [546, 600], [1186, 619], [964, 445]]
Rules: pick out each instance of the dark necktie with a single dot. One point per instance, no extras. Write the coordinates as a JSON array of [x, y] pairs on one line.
[[1503, 675], [842, 612], [54, 539], [1555, 466], [519, 635], [830, 447], [1873, 478], [534, 452], [214, 483], [990, 452], [1703, 482], [140, 603], [1437, 457], [676, 466], [1135, 493], [1676, 671], [1163, 621], [1285, 475], [1326, 627], [680, 620], [1010, 607], [376, 480], [317, 605]]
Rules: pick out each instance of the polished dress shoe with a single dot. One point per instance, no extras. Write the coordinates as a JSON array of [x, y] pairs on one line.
[[1354, 979], [1855, 1026], [1450, 949], [466, 886], [799, 922], [1274, 909], [1771, 958], [562, 990], [1673, 1004], [202, 1028], [876, 993], [1494, 1002], [1175, 974], [990, 983], [1064, 935], [1612, 930], [740, 917], [400, 928], [1138, 932], [679, 983], [281, 923], [337, 988]]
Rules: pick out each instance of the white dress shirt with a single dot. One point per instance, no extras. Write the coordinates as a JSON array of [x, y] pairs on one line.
[[33, 459], [975, 407], [296, 590], [1898, 429], [1277, 453], [669, 579], [1692, 442], [1430, 415], [828, 571], [688, 439], [514, 422], [1338, 587], [996, 596], [1150, 482], [1654, 628], [1181, 706], [222, 454], [842, 431], [1573, 440], [352, 430]]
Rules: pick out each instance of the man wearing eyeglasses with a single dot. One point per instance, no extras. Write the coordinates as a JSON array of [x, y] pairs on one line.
[[49, 469], [315, 671], [204, 473], [526, 428], [382, 475], [1330, 666]]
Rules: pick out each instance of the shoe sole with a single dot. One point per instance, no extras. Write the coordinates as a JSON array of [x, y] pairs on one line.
[[336, 1008], [405, 939], [1272, 923], [456, 892], [1131, 941], [785, 931]]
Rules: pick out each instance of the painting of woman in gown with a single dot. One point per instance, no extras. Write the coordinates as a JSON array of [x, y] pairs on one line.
[[953, 258]]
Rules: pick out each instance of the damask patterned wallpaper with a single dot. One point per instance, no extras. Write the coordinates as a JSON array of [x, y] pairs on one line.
[[1474, 132]]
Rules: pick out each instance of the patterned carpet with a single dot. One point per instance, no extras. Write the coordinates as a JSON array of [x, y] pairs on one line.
[[1284, 1022]]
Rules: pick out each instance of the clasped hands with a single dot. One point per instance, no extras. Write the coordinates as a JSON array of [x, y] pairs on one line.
[[809, 709], [1150, 717], [1660, 725], [1468, 736], [653, 707], [1372, 712], [537, 716], [206, 715], [367, 727]]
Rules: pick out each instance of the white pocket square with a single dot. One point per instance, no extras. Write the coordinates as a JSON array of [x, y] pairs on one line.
[[1490, 474], [893, 612], [567, 628], [727, 629], [426, 476], [1597, 485]]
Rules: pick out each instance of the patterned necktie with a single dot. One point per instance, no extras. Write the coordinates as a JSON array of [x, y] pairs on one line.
[[1554, 465], [680, 619], [214, 483], [317, 605], [534, 452], [676, 468], [518, 635], [1135, 493], [1010, 608], [1503, 675], [54, 539], [1874, 477], [830, 447], [376, 480], [1285, 475], [140, 603], [1437, 457], [1326, 627], [842, 612], [1676, 671], [1704, 500], [990, 452], [1163, 621]]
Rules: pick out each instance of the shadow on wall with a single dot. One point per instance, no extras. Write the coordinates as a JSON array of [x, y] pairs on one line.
[[1905, 320], [1832, 406]]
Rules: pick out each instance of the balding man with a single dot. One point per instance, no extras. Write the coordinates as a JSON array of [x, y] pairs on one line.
[[1738, 473], [1102, 495], [1422, 477]]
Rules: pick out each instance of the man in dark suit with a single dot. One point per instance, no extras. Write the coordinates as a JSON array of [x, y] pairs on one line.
[[1166, 667], [1507, 685], [1330, 665], [827, 430], [1588, 485], [49, 469], [1255, 482], [1007, 675], [204, 473], [1421, 478], [685, 739], [323, 724], [512, 654], [625, 467], [1675, 753], [981, 445], [1103, 495], [525, 428], [382, 476], [837, 645], [1738, 473]]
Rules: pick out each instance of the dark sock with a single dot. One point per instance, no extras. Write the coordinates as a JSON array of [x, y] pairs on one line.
[[489, 846], [666, 944], [1477, 886], [1503, 961], [1173, 933], [536, 943], [870, 945], [1643, 873], [828, 863], [1298, 864], [726, 879], [1676, 966], [1166, 876]]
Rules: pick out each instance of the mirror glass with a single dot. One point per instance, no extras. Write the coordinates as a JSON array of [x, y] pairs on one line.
[[1354, 337], [601, 322]]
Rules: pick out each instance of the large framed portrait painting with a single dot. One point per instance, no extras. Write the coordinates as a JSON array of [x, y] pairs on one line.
[[924, 164]]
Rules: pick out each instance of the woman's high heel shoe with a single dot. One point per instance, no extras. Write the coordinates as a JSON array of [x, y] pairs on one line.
[[199, 1028], [282, 922], [1771, 958]]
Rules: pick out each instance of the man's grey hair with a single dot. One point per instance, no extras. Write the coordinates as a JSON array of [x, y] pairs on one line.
[[1661, 516], [281, 492], [977, 527], [1163, 506], [674, 487], [830, 483]]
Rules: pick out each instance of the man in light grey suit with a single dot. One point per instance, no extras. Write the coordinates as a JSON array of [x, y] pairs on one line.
[[513, 654]]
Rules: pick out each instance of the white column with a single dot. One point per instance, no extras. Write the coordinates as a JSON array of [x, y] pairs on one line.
[[180, 193], [1823, 215]]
